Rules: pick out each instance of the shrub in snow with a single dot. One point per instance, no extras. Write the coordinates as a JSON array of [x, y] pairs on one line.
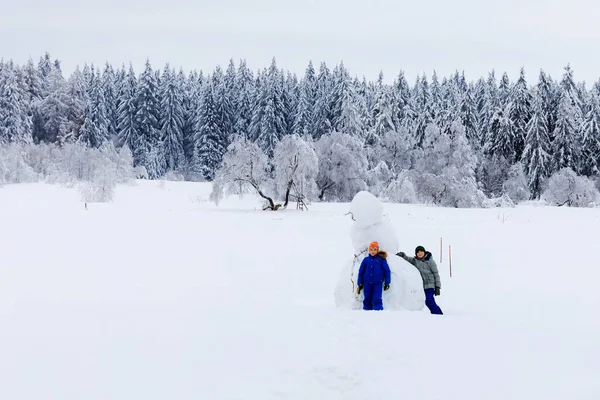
[[400, 190], [13, 168], [516, 186], [449, 191], [140, 172], [566, 187], [100, 188], [173, 176], [245, 167], [296, 165], [503, 201]]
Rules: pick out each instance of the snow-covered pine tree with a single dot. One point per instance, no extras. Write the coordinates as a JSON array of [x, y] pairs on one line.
[[489, 103], [504, 90], [189, 105], [75, 98], [268, 123], [45, 67], [244, 100], [520, 113], [146, 137], [321, 122], [52, 109], [33, 82], [469, 117], [401, 94], [306, 103], [591, 138], [111, 98], [16, 124], [564, 145], [548, 93], [94, 132], [211, 140], [500, 140], [345, 106], [536, 155], [231, 89], [437, 97], [289, 97], [384, 114], [421, 104], [565, 137], [172, 120], [127, 110], [341, 80]]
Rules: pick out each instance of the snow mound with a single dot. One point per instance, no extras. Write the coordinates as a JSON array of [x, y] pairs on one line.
[[405, 293], [366, 209]]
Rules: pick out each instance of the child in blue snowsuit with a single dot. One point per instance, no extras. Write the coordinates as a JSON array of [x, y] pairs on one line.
[[373, 276]]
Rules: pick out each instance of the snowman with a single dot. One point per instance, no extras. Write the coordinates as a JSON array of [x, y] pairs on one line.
[[371, 225]]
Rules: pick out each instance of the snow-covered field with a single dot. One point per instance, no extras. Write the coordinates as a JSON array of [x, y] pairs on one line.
[[163, 295]]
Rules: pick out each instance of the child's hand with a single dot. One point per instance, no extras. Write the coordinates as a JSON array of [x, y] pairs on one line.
[[400, 254], [359, 289], [437, 291], [386, 286]]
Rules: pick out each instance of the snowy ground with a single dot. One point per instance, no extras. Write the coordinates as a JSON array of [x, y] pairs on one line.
[[163, 295]]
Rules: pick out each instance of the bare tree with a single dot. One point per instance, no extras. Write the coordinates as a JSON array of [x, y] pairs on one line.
[[296, 163], [245, 167]]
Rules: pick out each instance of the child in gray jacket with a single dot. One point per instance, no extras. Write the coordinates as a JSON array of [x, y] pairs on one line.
[[426, 265]]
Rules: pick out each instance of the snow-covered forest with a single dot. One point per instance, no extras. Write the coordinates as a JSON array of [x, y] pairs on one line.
[[440, 140]]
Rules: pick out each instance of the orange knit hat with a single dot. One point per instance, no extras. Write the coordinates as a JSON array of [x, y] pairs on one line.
[[374, 245]]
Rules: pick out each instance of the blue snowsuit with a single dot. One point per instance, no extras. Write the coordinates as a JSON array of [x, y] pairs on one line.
[[373, 273]]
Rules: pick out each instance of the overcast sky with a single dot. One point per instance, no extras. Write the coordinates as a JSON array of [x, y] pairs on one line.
[[416, 36]]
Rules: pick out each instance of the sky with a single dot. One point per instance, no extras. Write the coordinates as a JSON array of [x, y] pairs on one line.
[[386, 36]]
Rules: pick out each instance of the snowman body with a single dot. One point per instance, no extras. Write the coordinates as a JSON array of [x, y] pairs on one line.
[[371, 225]]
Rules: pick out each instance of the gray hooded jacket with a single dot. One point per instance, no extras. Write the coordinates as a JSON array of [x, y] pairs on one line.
[[428, 269]]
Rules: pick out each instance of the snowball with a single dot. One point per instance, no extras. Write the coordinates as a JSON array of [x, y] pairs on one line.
[[366, 209], [405, 293]]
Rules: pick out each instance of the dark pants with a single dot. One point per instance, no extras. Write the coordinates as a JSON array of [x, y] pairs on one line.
[[373, 292], [430, 302]]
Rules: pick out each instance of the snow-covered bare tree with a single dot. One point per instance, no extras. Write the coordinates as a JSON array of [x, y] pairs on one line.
[[244, 167], [296, 166], [342, 166]]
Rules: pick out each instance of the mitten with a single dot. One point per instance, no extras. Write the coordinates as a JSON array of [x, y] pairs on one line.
[[359, 289], [400, 254], [386, 286], [437, 291]]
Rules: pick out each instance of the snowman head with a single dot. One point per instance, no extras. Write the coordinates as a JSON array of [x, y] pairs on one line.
[[366, 209]]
